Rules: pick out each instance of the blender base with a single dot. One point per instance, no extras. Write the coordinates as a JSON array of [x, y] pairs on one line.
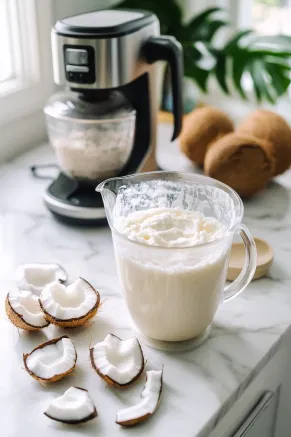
[[75, 203], [174, 346]]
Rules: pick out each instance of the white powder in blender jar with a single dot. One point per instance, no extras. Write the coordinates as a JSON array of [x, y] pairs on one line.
[[95, 153]]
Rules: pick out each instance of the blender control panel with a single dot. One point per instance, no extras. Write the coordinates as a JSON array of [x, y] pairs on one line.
[[79, 64]]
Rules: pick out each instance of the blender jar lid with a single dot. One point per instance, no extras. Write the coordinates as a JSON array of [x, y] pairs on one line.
[[89, 106]]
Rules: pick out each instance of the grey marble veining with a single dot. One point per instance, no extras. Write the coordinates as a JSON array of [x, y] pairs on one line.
[[200, 385]]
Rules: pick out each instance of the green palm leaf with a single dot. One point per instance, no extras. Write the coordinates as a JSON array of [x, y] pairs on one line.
[[276, 53], [209, 30], [191, 68], [265, 58], [202, 18], [238, 69], [262, 87], [271, 42], [233, 43], [220, 71], [279, 80]]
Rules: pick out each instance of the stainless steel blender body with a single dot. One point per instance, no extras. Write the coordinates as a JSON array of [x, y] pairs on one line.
[[117, 61]]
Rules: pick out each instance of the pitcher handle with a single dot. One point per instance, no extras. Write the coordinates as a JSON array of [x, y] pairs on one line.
[[247, 273]]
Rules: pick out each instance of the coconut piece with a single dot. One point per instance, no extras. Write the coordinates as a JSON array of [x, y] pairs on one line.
[[73, 407], [274, 131], [69, 306], [201, 128], [151, 396], [240, 161], [52, 360], [23, 310], [118, 362], [35, 276]]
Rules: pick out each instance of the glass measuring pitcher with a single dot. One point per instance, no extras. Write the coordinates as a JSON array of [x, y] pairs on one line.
[[173, 292]]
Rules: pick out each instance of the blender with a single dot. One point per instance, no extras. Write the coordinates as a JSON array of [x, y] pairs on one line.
[[104, 123]]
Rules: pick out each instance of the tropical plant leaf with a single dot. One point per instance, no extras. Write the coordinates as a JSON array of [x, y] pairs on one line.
[[201, 18], [209, 29], [200, 27], [266, 58], [198, 75], [192, 71], [268, 83], [271, 42], [258, 83], [276, 53], [234, 41], [220, 71], [270, 94], [238, 69], [192, 53], [262, 82], [283, 65], [279, 81]]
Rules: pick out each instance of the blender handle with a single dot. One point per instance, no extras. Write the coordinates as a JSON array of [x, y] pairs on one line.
[[167, 48]]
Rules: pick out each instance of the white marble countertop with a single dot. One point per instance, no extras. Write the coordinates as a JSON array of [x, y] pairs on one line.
[[200, 385]]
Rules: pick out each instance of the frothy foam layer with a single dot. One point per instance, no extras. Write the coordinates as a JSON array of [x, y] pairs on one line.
[[170, 227]]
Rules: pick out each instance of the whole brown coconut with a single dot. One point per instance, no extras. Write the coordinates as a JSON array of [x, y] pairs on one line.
[[240, 161], [201, 128], [274, 130]]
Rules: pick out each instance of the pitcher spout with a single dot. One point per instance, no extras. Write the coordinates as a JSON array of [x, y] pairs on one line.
[[111, 184], [100, 187], [109, 190]]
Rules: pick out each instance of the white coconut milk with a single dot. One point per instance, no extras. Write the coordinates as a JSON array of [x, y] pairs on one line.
[[172, 282]]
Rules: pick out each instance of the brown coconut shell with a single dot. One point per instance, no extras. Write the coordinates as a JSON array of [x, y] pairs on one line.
[[18, 320], [275, 131], [201, 128], [75, 422], [137, 420], [240, 161], [74, 322], [55, 377], [111, 381]]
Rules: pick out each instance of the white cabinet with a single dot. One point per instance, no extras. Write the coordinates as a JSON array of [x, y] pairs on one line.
[[264, 407], [262, 419]]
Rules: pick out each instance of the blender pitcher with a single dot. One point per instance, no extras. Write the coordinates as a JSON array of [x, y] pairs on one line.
[[172, 293]]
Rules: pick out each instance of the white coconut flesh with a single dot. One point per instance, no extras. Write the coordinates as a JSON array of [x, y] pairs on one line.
[[150, 399], [72, 302], [53, 359], [34, 277], [74, 406], [120, 360], [26, 305]]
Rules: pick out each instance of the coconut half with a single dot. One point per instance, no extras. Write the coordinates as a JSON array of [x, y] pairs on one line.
[[23, 310], [118, 362], [52, 360], [69, 306], [35, 276], [151, 397], [73, 407]]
